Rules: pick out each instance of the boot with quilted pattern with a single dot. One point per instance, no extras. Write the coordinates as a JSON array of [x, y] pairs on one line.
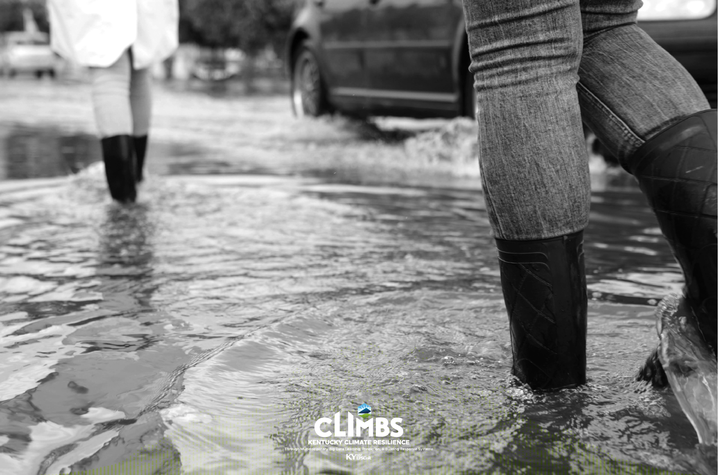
[[676, 170], [544, 287]]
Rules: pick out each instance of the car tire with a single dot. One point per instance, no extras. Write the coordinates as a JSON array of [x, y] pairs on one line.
[[309, 96], [470, 104], [51, 73]]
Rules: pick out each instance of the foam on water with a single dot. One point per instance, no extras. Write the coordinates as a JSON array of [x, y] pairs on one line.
[[690, 366]]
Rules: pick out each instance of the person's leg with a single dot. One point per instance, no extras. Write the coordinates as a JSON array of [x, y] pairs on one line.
[[630, 88], [110, 99], [534, 167], [650, 113], [525, 58], [141, 104]]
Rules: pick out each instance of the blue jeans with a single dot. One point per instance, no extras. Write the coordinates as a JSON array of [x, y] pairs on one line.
[[540, 66]]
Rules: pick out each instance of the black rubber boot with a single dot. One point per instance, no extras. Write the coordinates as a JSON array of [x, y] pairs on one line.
[[140, 150], [677, 172], [544, 286], [119, 157]]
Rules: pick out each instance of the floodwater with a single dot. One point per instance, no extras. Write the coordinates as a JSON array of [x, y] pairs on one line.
[[205, 329]]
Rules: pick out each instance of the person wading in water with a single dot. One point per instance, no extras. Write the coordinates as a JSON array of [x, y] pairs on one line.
[[540, 68], [118, 41]]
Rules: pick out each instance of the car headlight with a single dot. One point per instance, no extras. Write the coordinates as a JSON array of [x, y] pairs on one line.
[[654, 10]]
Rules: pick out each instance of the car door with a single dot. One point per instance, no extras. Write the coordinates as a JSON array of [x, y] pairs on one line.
[[342, 40], [410, 53]]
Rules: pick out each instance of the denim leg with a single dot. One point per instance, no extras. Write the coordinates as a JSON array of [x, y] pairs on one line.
[[630, 88], [525, 59]]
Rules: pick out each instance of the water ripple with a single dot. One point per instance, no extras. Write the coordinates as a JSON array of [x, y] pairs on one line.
[[206, 328]]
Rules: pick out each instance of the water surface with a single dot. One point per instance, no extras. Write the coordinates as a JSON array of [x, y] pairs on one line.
[[206, 328]]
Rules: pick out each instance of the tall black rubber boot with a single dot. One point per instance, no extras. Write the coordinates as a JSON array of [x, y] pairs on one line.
[[140, 151], [544, 285], [119, 157], [677, 172]]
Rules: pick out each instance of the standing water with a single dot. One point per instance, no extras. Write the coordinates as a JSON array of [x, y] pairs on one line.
[[207, 328]]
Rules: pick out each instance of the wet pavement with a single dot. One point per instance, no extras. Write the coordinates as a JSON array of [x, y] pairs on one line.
[[246, 295]]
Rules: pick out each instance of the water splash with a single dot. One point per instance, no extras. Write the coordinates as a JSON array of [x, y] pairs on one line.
[[690, 367]]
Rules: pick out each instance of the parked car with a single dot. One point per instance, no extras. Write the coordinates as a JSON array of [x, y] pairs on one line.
[[410, 58], [215, 64], [22, 51]]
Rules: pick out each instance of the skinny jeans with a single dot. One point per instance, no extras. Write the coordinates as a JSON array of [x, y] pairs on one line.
[[540, 67], [122, 98]]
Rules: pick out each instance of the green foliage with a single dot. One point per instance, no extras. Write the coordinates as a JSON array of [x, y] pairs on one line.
[[249, 25], [11, 14]]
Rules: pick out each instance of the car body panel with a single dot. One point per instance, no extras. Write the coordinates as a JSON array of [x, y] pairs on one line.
[[343, 34], [409, 53]]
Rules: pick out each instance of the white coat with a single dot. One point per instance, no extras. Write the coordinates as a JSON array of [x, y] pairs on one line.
[[97, 32]]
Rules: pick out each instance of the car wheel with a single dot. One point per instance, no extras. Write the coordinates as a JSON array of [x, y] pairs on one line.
[[470, 103], [308, 89], [51, 73], [38, 74]]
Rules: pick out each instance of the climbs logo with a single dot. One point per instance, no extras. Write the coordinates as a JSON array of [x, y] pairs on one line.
[[356, 426], [364, 411]]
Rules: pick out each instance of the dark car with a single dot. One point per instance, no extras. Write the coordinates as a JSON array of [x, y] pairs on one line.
[[410, 57]]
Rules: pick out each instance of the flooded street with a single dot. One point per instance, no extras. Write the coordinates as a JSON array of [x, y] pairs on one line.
[[275, 272]]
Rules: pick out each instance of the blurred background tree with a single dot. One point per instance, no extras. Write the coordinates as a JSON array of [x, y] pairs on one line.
[[11, 14], [248, 25]]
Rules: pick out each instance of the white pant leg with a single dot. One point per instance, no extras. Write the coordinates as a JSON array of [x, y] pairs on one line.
[[111, 98]]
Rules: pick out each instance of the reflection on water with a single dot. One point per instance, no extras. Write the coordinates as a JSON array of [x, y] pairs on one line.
[[33, 153], [44, 152], [206, 328]]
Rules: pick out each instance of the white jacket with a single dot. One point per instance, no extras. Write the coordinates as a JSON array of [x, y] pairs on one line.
[[97, 32]]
